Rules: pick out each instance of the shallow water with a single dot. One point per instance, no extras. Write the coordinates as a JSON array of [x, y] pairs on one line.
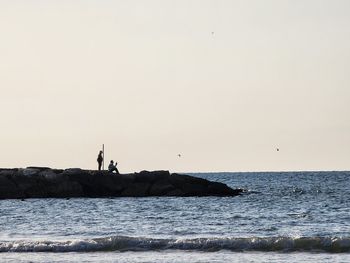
[[282, 217], [175, 257]]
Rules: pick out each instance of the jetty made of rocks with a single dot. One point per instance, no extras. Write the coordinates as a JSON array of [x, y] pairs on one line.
[[44, 182]]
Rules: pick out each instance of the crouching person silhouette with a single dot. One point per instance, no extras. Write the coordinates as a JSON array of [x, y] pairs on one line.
[[112, 167]]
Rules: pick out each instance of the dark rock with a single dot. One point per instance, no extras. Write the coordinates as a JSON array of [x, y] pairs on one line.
[[43, 182], [137, 189], [8, 189], [162, 187], [39, 168], [8, 172], [73, 171], [175, 192], [30, 171]]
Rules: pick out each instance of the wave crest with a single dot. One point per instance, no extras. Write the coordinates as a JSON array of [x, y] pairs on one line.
[[124, 243]]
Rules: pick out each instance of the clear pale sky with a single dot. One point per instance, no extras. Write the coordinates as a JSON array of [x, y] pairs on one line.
[[223, 83]]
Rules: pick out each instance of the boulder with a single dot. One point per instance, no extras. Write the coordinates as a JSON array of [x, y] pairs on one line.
[[161, 188], [9, 189], [137, 189], [30, 171]]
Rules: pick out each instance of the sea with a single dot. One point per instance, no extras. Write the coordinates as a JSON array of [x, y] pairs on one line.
[[280, 217]]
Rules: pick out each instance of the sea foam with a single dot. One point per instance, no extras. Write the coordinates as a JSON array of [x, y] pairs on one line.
[[124, 243]]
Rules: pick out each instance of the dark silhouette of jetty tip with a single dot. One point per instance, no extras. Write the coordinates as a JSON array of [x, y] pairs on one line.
[[44, 182]]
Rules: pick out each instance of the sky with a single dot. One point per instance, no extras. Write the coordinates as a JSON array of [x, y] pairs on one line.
[[224, 83]]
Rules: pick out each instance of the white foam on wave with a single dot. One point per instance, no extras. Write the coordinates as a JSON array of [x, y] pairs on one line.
[[123, 243]]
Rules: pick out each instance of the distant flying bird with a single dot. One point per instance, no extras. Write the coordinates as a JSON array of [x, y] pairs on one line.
[[277, 149], [179, 155]]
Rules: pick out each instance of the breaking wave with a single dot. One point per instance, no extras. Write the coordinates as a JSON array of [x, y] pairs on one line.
[[124, 243]]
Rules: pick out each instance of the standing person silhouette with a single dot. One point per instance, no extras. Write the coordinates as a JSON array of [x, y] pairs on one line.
[[100, 160]]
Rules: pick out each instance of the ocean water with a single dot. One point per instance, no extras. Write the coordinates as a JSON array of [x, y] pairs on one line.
[[281, 217]]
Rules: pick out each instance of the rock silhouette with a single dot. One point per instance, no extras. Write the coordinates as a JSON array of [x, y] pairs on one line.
[[44, 182]]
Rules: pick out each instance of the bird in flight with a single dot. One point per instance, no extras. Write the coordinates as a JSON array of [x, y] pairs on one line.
[[179, 155]]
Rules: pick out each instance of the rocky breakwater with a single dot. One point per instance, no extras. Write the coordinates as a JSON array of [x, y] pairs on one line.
[[41, 182]]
